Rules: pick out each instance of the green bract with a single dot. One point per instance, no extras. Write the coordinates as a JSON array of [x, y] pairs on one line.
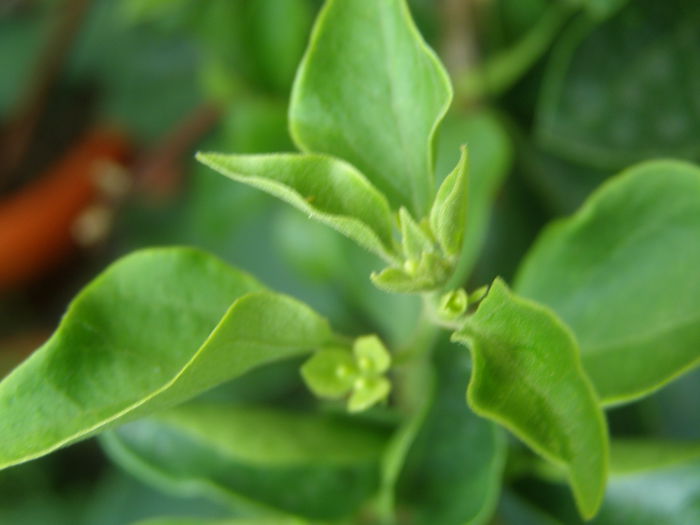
[[335, 372], [622, 272], [432, 249]]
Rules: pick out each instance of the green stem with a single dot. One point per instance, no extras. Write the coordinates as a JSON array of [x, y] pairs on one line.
[[415, 376], [506, 68]]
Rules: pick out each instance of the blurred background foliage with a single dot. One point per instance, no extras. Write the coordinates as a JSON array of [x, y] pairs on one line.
[[103, 103]]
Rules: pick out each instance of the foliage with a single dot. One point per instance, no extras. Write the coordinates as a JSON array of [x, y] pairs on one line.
[[165, 354]]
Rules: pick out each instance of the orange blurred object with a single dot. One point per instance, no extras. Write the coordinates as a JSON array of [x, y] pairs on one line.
[[36, 223]]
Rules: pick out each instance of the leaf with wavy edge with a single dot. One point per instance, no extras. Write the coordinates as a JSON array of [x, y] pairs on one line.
[[156, 328], [327, 189], [527, 376], [375, 101]]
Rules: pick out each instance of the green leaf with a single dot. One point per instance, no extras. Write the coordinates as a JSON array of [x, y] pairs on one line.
[[595, 112], [373, 101], [528, 377], [156, 328], [452, 474], [448, 214], [328, 190], [319, 466], [622, 273]]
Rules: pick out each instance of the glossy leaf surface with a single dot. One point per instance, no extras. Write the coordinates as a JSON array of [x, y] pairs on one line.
[[527, 376], [156, 328], [327, 189], [370, 91], [622, 273], [312, 465]]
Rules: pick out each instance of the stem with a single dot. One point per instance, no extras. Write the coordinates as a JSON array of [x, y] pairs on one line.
[[416, 380], [506, 68]]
